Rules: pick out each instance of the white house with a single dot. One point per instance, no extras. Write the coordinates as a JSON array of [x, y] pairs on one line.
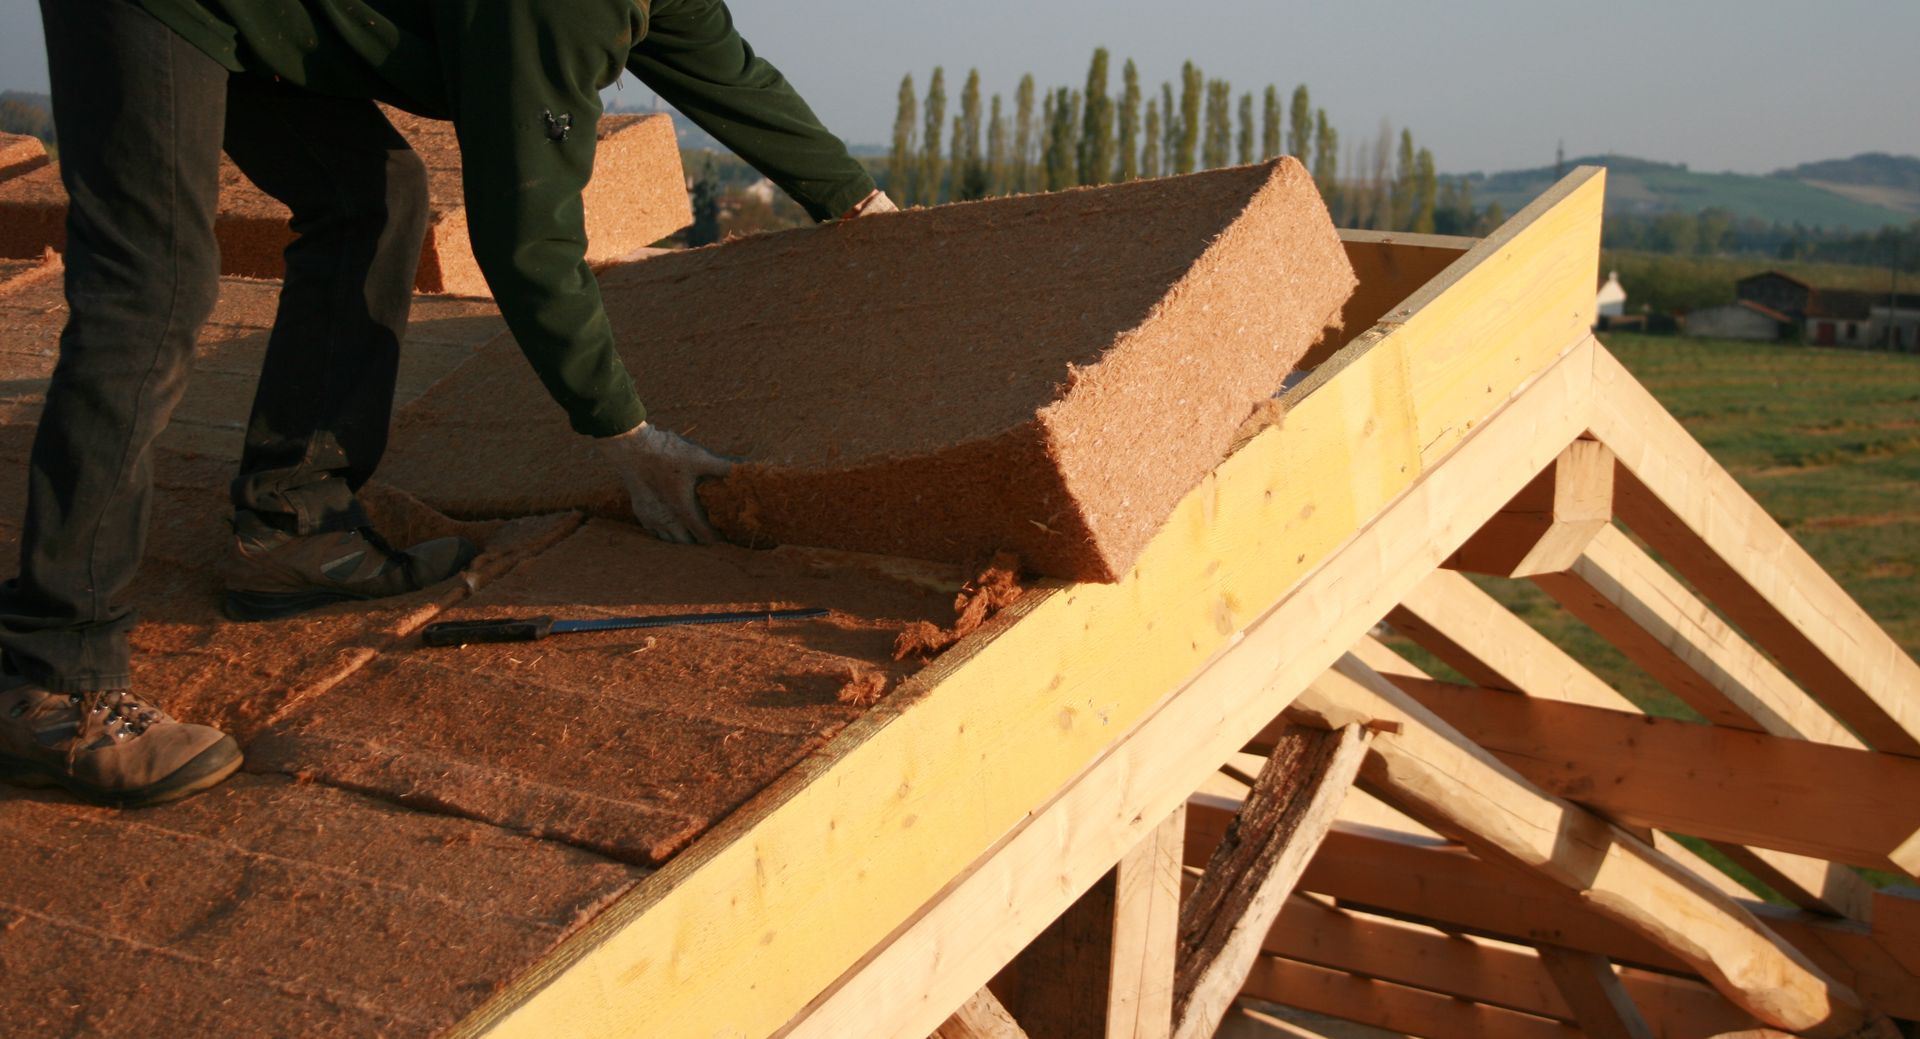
[[1612, 298]]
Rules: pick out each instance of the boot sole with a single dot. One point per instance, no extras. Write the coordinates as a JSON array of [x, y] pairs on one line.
[[209, 768], [265, 606]]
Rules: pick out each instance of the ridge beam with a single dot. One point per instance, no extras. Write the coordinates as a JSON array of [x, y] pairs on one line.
[[1436, 774]]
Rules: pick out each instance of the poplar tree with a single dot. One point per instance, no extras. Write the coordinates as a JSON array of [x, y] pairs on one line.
[[1169, 131], [969, 173], [1404, 184], [1062, 148], [900, 159], [1300, 130], [1245, 140], [1426, 189], [1326, 159], [997, 166], [1129, 123], [1150, 150], [1270, 124], [1047, 122], [1094, 160], [1218, 150], [1023, 135], [928, 189], [1193, 88]]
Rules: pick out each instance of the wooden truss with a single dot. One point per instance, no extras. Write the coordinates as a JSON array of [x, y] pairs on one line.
[[1000, 848]]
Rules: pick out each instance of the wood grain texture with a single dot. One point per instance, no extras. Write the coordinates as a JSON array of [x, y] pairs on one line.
[[1433, 772], [1601, 1006], [980, 1017], [1248, 877]]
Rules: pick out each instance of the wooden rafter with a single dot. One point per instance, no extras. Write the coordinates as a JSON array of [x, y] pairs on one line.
[[1440, 777], [1601, 1005], [1545, 527], [1499, 973], [1704, 780], [1398, 1008], [1249, 875], [1474, 634], [1672, 493], [980, 1017]]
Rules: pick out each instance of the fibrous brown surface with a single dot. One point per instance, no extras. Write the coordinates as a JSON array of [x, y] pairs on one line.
[[211, 418], [629, 743], [1045, 375], [19, 154], [637, 197]]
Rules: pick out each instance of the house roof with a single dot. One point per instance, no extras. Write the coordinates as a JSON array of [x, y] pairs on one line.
[[1780, 275], [1765, 311], [1843, 304]]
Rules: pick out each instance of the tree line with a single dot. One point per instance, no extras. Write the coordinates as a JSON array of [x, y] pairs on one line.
[[1063, 137], [1718, 232]]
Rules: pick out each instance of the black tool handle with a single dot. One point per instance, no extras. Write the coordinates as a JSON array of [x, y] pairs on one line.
[[460, 633]]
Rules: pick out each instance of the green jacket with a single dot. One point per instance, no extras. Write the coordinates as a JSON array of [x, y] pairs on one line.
[[497, 68]]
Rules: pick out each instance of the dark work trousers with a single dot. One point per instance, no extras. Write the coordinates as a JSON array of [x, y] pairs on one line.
[[141, 116]]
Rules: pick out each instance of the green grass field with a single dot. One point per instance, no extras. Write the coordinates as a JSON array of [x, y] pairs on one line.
[[1828, 441]]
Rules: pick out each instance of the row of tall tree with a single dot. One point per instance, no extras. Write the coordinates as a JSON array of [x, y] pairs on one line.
[[1066, 137]]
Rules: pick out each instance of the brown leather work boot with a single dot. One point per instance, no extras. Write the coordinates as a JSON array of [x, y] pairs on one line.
[[110, 748], [277, 574]]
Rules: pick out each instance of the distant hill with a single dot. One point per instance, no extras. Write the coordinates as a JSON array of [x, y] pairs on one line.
[[1863, 193]]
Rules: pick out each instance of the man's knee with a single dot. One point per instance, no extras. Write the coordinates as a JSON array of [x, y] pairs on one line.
[[408, 208]]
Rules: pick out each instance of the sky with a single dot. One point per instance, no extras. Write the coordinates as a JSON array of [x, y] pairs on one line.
[[1743, 85]]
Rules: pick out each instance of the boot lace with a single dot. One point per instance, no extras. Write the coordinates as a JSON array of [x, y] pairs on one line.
[[116, 714]]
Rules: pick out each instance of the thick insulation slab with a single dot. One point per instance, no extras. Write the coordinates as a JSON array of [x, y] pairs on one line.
[[211, 420], [1045, 374], [637, 196], [268, 907], [629, 743], [20, 153]]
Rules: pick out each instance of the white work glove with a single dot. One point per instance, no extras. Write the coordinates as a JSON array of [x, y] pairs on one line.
[[661, 470], [875, 202]]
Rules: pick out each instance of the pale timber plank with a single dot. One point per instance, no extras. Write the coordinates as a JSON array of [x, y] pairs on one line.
[[1431, 771], [1722, 784], [801, 885], [980, 1017], [995, 907], [1248, 877], [1480, 970], [1600, 1003], [1397, 1008], [1673, 494], [1546, 526], [1634, 603]]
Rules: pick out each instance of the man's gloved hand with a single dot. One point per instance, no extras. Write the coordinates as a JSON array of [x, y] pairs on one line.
[[875, 202], [661, 470]]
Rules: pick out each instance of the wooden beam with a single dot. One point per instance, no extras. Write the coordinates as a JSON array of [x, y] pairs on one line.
[[1600, 1003], [977, 918], [801, 885], [1397, 1008], [1391, 266], [1474, 634], [1673, 494], [980, 1017], [1248, 877], [1634, 603], [1104, 969], [1546, 526], [1480, 970], [1146, 933], [1712, 782], [1471, 632], [1433, 772]]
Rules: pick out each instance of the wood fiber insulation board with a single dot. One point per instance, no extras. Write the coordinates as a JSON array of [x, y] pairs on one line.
[[638, 196], [629, 743], [211, 419], [268, 907], [20, 153], [1044, 374], [203, 668]]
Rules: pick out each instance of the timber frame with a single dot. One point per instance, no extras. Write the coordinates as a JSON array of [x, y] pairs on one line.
[[1046, 769]]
